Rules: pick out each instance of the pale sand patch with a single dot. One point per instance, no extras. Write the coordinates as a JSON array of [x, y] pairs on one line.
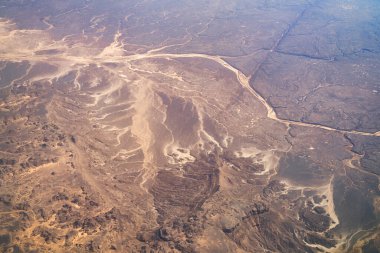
[[115, 48], [267, 158], [178, 155], [327, 203], [140, 128], [330, 205]]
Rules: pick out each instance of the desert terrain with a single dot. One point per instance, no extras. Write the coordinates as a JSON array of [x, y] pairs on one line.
[[189, 126]]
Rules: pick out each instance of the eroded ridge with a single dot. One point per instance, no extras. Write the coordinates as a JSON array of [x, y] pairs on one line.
[[118, 134]]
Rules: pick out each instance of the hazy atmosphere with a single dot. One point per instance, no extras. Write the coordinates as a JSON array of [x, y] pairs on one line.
[[190, 126]]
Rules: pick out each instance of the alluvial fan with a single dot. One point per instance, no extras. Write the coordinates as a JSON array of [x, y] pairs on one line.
[[189, 126]]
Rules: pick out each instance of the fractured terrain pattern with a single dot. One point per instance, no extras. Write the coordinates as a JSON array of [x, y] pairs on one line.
[[189, 126]]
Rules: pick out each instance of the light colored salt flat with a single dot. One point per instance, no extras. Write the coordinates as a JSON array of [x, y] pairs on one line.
[[141, 130], [327, 203], [115, 48], [267, 158], [330, 205], [317, 246], [248, 152], [270, 161], [126, 153], [227, 140], [178, 155], [203, 134]]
